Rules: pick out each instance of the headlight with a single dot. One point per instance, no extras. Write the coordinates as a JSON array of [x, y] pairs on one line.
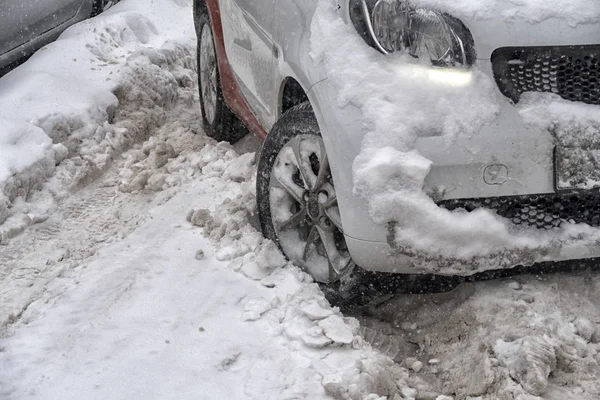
[[395, 25]]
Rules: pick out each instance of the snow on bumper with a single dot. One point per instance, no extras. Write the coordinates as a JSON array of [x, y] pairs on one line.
[[403, 143], [457, 172]]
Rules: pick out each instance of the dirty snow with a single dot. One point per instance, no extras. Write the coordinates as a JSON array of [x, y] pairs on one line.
[[527, 337]]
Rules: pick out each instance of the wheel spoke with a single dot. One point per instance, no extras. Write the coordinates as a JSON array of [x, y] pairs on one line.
[[310, 240], [333, 213], [207, 91], [303, 165], [336, 260], [323, 170], [213, 83], [331, 201], [293, 190], [293, 221]]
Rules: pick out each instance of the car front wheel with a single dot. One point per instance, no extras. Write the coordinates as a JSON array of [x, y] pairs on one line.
[[296, 197], [101, 5]]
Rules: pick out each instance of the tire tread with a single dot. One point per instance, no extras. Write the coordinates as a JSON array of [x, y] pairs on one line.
[[227, 126]]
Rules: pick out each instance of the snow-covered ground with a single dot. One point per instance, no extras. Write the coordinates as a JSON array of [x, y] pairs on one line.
[[132, 269], [107, 290]]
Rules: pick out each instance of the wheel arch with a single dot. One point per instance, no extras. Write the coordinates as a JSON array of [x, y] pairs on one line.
[[291, 93], [198, 6]]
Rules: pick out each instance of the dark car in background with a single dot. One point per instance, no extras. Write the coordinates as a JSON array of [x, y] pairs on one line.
[[27, 25]]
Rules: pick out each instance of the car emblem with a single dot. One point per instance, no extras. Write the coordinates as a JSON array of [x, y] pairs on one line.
[[495, 174]]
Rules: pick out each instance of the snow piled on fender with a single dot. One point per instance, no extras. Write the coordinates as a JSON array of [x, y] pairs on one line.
[[82, 100], [402, 99]]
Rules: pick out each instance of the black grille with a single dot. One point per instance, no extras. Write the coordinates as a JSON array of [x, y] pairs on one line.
[[573, 72], [542, 211]]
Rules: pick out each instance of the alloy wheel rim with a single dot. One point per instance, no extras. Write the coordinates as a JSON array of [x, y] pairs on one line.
[[208, 74], [305, 212]]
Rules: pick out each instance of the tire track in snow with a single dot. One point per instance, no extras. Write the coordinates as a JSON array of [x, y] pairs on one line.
[[160, 98], [91, 217]]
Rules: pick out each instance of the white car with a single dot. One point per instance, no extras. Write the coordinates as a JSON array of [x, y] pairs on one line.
[[319, 82]]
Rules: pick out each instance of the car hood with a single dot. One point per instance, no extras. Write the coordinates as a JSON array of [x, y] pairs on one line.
[[516, 23]]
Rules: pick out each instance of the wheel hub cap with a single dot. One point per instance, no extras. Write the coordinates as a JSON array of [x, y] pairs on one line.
[[314, 209]]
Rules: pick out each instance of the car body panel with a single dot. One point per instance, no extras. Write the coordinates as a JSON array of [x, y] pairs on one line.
[[294, 59], [27, 25], [247, 34], [495, 33], [458, 170], [231, 93]]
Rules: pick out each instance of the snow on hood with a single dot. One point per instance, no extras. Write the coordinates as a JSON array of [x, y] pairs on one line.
[[402, 99], [534, 11]]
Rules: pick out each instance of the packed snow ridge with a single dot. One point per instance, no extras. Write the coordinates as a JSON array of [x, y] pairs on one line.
[[79, 102]]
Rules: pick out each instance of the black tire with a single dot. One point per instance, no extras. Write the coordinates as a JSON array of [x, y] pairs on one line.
[[226, 126], [99, 5], [297, 120], [352, 289]]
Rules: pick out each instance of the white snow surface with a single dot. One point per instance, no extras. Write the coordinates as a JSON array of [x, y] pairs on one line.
[[390, 174], [134, 271], [121, 297], [57, 109], [144, 319]]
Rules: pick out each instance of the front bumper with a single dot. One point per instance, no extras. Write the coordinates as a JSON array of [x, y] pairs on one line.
[[506, 159]]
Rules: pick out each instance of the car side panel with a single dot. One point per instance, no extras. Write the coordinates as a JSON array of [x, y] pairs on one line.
[[24, 20], [231, 93], [29, 43], [247, 33], [292, 33], [12, 22]]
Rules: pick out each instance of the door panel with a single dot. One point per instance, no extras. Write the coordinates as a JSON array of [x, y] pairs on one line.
[[24, 20], [247, 33], [292, 35]]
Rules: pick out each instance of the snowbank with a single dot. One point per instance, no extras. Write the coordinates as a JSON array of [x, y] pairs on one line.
[[295, 308], [527, 337], [80, 101], [161, 312]]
